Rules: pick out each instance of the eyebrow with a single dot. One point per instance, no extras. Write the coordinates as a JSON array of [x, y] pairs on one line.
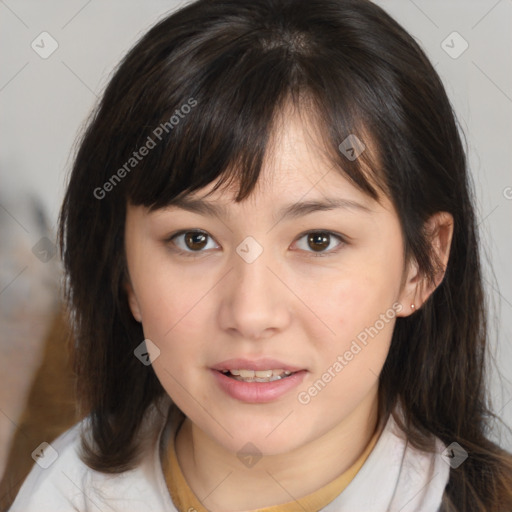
[[292, 210]]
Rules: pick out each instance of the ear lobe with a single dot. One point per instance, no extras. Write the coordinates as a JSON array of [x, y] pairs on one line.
[[132, 301], [417, 288], [409, 294]]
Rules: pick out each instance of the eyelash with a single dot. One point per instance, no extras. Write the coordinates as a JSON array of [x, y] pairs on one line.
[[195, 254]]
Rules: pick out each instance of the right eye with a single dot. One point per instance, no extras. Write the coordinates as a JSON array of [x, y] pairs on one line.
[[190, 242]]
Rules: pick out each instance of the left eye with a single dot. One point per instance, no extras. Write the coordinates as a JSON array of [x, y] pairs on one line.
[[319, 241], [192, 243]]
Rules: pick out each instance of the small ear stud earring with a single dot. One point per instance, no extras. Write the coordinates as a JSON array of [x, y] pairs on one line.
[[412, 306]]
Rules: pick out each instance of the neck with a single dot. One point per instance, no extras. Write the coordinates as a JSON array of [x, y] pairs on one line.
[[215, 476]]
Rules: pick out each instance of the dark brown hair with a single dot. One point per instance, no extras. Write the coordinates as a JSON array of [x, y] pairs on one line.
[[234, 64]]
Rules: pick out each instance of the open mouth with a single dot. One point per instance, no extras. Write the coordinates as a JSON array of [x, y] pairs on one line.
[[257, 375]]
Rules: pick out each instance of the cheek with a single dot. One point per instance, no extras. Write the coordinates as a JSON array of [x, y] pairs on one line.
[[358, 310], [168, 296], [354, 301], [365, 323], [174, 318], [176, 310], [349, 361]]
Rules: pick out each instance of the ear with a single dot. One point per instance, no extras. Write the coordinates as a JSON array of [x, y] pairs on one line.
[[417, 288], [132, 300]]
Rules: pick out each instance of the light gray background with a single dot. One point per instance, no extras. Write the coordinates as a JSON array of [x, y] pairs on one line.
[[44, 102]]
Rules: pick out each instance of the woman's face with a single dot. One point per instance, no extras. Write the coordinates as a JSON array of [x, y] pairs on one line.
[[256, 284]]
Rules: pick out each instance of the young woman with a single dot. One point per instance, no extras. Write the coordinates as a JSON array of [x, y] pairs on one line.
[[273, 270]]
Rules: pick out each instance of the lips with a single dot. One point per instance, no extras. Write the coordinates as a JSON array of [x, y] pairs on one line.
[[255, 391], [243, 387], [255, 364], [257, 375]]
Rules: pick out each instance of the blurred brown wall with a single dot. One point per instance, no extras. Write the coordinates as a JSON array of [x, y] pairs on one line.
[[49, 411]]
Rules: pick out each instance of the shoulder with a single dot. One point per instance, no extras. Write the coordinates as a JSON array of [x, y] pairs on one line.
[[401, 477], [61, 482], [50, 484], [422, 476]]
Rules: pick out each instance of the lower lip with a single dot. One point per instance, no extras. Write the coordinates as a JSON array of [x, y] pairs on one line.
[[258, 392]]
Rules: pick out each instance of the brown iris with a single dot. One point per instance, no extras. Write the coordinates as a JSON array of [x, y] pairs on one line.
[[320, 240], [195, 240]]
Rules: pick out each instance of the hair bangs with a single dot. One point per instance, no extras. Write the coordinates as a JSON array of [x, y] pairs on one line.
[[225, 135]]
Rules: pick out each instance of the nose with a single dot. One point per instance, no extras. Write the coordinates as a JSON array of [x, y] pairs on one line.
[[255, 303]]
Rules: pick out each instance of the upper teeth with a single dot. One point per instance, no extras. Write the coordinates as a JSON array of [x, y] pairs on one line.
[[261, 374]]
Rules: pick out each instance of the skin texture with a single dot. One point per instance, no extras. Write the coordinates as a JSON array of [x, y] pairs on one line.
[[288, 304]]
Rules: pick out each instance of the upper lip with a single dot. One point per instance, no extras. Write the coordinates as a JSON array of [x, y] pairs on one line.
[[255, 364]]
